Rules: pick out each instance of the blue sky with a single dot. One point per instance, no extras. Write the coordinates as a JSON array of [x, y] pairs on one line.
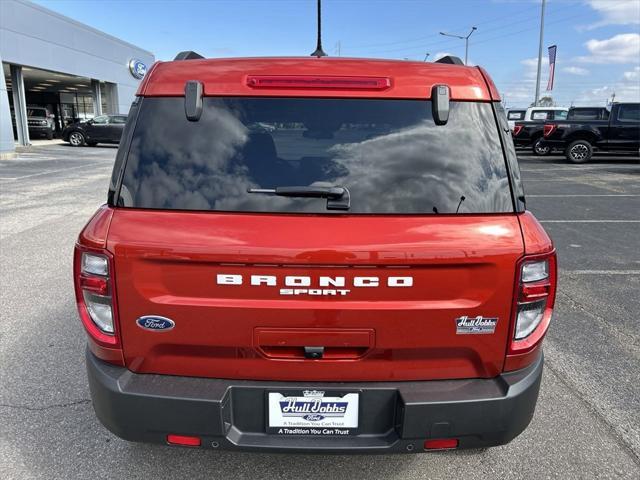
[[598, 40]]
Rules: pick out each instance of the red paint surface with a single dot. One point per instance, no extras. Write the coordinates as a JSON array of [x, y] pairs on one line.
[[228, 77], [167, 262]]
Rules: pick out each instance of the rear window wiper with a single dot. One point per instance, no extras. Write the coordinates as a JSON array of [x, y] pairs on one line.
[[338, 198]]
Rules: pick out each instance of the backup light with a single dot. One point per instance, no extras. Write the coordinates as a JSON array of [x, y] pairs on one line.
[[529, 316], [535, 271], [95, 264], [99, 308]]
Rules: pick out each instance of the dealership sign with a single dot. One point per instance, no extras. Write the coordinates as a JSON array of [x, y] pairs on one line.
[[137, 68]]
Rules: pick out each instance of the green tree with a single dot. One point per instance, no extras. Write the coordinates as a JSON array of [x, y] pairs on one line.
[[544, 102]]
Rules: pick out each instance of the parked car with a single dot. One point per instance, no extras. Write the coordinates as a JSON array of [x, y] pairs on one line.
[[531, 134], [620, 132], [515, 115], [536, 115], [100, 129], [353, 279], [39, 121]]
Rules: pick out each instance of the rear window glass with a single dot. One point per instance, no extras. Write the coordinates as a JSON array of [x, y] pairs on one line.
[[629, 113], [542, 115], [389, 154], [515, 115], [587, 114]]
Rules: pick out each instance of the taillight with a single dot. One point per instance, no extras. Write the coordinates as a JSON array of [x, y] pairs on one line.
[[95, 294], [516, 130], [549, 128], [535, 296]]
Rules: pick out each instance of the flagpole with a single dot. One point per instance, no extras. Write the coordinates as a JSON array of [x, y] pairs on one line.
[[535, 103]]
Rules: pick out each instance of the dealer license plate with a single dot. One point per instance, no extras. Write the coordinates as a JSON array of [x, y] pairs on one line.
[[313, 412]]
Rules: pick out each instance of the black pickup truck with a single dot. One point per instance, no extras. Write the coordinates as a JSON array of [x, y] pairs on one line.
[[530, 134], [620, 132]]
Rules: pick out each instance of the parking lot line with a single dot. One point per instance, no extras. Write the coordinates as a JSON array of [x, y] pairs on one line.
[[589, 221], [47, 172], [600, 272], [544, 169], [562, 195]]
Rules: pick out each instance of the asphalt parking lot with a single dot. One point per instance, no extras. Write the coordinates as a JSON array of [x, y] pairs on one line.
[[587, 423]]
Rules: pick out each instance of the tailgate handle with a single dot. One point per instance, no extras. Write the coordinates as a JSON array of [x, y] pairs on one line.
[[314, 343]]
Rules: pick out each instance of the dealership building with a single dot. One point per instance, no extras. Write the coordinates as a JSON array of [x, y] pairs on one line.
[[72, 70]]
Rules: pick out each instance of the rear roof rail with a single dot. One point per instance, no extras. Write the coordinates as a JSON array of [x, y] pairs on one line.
[[450, 59], [188, 55]]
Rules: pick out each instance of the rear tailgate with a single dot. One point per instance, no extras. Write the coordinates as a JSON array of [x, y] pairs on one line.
[[168, 264]]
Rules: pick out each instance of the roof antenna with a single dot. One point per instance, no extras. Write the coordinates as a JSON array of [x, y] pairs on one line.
[[319, 52]]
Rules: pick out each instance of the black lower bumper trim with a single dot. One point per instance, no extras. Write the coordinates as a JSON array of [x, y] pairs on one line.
[[394, 416]]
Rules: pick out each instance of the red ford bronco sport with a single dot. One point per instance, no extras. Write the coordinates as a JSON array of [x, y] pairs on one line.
[[315, 254]]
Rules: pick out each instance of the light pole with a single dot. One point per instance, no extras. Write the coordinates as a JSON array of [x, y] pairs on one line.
[[466, 41], [535, 101], [426, 56]]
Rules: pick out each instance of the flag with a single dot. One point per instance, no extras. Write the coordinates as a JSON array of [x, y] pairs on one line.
[[552, 66]]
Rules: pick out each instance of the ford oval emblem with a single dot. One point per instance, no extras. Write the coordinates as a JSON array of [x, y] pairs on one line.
[[137, 68], [313, 417], [155, 323]]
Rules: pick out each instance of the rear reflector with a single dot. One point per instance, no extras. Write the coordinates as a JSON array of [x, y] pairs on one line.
[[441, 444], [516, 130], [318, 82], [183, 440]]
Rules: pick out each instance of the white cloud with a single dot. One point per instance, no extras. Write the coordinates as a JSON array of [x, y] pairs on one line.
[[621, 48], [615, 12], [576, 71], [626, 89], [519, 90], [531, 66], [599, 96], [633, 75]]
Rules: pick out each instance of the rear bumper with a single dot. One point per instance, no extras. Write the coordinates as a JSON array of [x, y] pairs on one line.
[[394, 417], [40, 129]]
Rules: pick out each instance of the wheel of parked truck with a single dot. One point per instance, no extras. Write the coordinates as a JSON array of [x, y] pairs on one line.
[[539, 149], [579, 151], [76, 139]]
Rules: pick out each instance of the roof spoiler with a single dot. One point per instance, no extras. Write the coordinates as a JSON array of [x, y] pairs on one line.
[[188, 55], [450, 59]]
